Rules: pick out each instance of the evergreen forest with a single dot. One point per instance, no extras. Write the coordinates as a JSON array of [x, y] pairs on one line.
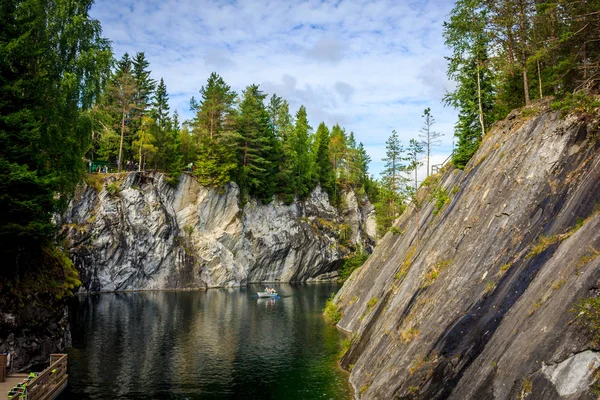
[[505, 54]]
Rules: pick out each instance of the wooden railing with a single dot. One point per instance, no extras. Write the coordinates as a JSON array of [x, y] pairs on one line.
[[436, 168], [50, 381]]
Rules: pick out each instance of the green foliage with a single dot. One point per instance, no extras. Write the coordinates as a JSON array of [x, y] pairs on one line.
[[351, 263], [52, 62], [113, 188], [503, 269], [506, 53], [587, 317], [371, 303], [543, 243], [167, 156], [396, 231], [303, 166], [257, 147], [441, 198], [53, 275], [344, 347], [405, 266], [434, 272], [332, 311], [579, 102], [324, 169], [215, 163], [469, 66], [393, 181], [490, 285]]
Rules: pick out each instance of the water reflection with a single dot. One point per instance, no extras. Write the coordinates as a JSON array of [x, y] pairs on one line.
[[222, 343]]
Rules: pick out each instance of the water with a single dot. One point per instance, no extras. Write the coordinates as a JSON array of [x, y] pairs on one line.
[[215, 344]]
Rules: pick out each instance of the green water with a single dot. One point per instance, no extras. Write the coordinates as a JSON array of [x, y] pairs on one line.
[[215, 344]]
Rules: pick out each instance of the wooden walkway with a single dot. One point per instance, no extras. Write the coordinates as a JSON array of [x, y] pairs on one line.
[[48, 384]]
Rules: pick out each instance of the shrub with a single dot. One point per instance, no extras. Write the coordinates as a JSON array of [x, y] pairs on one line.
[[406, 264], [332, 311], [353, 262], [489, 287], [371, 303], [408, 335], [588, 317], [113, 188], [440, 197], [578, 102], [434, 272]]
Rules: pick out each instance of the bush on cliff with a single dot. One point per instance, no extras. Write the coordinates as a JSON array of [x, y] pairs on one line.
[[331, 311]]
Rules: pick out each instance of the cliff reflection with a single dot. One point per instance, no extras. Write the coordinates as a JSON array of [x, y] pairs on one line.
[[221, 343]]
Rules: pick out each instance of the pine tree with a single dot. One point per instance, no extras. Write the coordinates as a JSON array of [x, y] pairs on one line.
[[469, 67], [214, 113], [283, 127], [429, 137], [304, 168], [324, 169], [144, 142], [412, 152], [338, 150], [256, 142], [121, 100], [352, 161], [144, 83], [166, 137], [393, 183], [214, 132], [363, 161]]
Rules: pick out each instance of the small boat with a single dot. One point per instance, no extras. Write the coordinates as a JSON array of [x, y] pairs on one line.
[[267, 295]]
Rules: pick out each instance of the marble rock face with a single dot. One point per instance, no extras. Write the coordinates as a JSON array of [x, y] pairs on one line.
[[135, 232], [475, 295]]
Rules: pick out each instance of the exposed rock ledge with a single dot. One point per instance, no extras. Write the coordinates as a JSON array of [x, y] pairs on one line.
[[138, 233], [482, 307]]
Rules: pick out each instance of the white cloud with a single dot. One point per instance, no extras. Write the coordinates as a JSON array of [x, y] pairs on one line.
[[326, 50], [371, 66]]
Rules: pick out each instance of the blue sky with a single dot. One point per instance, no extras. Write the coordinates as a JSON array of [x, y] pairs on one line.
[[371, 66]]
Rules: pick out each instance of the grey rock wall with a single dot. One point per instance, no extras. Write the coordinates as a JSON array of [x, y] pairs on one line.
[[32, 331], [135, 232], [481, 306]]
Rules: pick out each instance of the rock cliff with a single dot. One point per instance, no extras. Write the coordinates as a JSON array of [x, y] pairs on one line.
[[480, 300], [134, 231], [31, 331]]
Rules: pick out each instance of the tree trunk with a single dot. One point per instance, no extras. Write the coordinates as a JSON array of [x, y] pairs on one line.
[[479, 100], [122, 134], [212, 119], [428, 156], [417, 220], [526, 85], [141, 146], [523, 32], [540, 79]]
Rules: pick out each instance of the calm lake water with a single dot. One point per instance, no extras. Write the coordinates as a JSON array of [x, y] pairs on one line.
[[215, 344]]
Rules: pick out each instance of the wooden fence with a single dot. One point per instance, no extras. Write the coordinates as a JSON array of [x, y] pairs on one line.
[[51, 381]]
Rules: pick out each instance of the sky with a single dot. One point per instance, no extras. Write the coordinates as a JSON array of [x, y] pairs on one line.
[[371, 66]]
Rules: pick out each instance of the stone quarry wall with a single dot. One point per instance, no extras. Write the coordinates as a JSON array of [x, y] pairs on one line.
[[482, 305], [133, 231]]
